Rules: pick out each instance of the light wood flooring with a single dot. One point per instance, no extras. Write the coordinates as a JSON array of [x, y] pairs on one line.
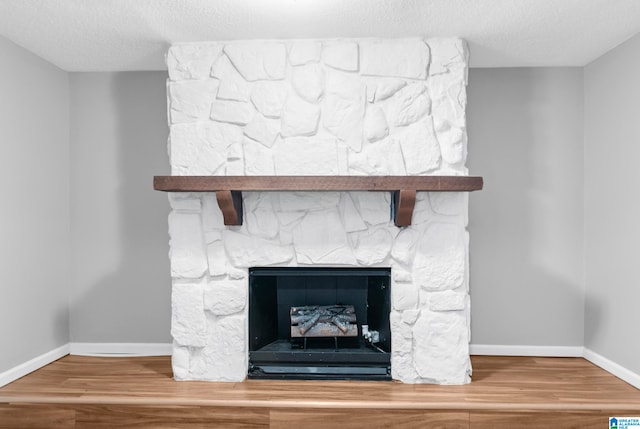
[[528, 392]]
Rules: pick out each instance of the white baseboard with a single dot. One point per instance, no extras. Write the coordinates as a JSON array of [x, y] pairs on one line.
[[121, 349], [618, 370], [36, 363], [543, 351]]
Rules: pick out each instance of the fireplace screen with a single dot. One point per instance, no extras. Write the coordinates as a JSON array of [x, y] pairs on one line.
[[310, 323]]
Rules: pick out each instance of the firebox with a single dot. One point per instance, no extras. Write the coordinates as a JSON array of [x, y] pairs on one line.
[[319, 323]]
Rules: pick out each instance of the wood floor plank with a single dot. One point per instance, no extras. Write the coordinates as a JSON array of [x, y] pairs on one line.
[[358, 419], [34, 416], [542, 419], [138, 417]]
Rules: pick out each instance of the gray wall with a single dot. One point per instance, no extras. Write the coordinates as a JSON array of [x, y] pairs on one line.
[[612, 204], [120, 269], [525, 137], [34, 220]]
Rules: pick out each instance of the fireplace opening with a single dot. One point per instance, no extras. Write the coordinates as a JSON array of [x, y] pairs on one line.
[[319, 323]]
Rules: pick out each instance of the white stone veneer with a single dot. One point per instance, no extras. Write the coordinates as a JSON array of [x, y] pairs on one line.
[[319, 107]]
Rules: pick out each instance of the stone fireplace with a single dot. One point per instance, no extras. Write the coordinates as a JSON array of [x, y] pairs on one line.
[[319, 107]]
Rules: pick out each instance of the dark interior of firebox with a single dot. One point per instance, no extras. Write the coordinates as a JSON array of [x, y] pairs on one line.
[[319, 323]]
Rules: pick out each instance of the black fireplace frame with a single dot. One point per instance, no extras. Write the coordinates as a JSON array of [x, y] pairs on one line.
[[274, 355]]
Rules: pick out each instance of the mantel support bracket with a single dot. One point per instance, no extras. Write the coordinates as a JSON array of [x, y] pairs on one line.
[[403, 202], [230, 203]]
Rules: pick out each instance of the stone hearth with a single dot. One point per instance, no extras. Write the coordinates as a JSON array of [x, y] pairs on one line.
[[319, 107]]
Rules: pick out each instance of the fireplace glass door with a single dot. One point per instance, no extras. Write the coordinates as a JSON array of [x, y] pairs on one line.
[[319, 323]]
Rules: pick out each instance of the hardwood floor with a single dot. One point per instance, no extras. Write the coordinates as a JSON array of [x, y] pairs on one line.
[[89, 392]]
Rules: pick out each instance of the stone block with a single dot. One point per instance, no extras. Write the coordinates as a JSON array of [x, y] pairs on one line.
[[287, 220], [235, 160], [258, 159], [236, 274], [320, 238], [225, 297], [401, 335], [395, 58], [180, 357], [258, 60], [188, 321], [422, 213], [447, 300], [400, 275], [235, 167], [372, 246], [408, 105], [404, 296], [410, 316], [440, 258], [232, 85], [343, 108], [344, 118], [452, 145], [190, 100], [261, 216], [342, 55], [402, 368], [232, 112], [373, 207], [404, 246], [304, 52], [345, 85], [350, 216], [263, 130], [419, 145], [249, 251], [301, 202], [448, 203], [380, 158], [308, 81], [447, 54], [212, 220], [448, 100], [269, 97], [387, 87], [192, 61], [225, 356], [188, 259], [200, 148], [306, 156], [375, 124], [343, 159], [216, 258], [299, 117], [184, 202], [442, 347]]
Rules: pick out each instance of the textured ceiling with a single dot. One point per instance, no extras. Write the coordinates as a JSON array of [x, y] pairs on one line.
[[107, 35]]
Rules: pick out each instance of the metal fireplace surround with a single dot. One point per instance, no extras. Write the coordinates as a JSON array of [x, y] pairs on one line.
[[275, 353]]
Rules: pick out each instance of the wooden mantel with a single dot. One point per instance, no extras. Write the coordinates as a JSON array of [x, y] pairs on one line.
[[229, 189]]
